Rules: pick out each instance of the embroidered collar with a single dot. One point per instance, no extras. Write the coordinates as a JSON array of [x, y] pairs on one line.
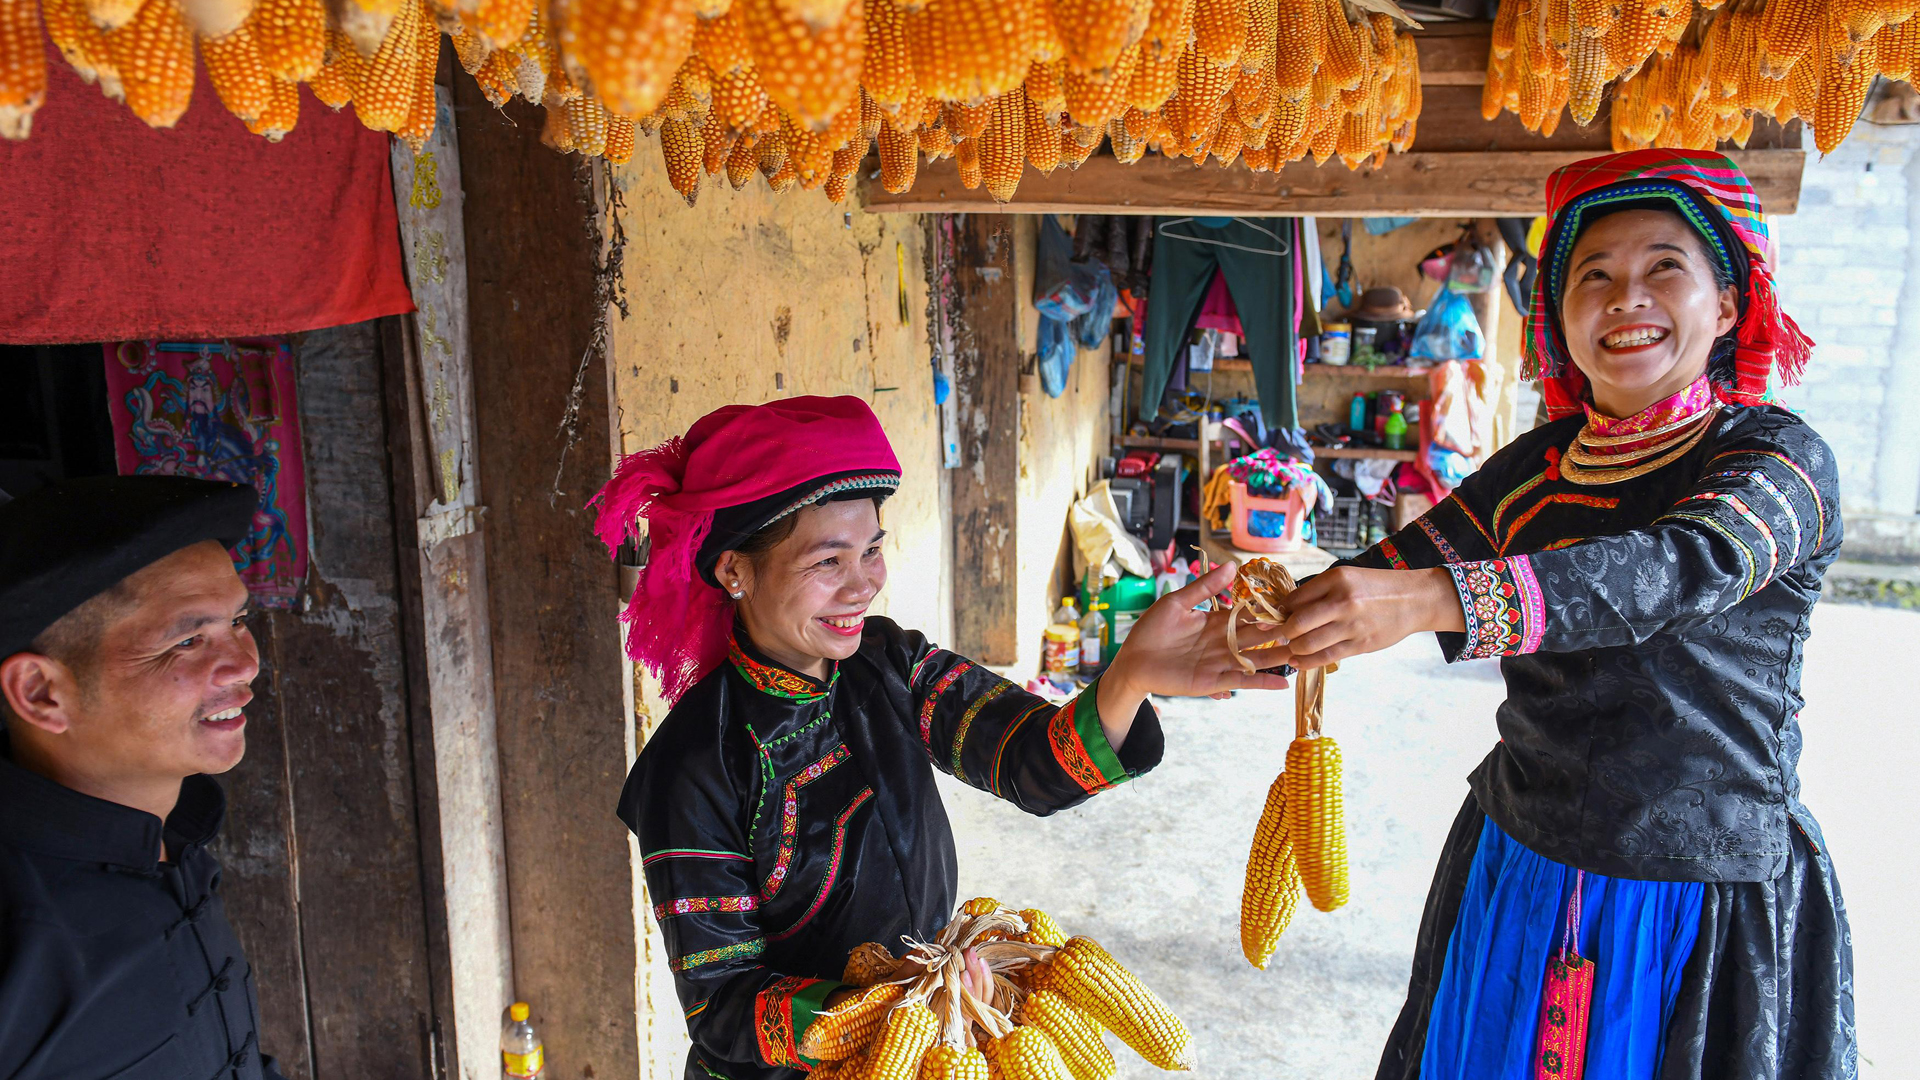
[[770, 678], [1661, 418]]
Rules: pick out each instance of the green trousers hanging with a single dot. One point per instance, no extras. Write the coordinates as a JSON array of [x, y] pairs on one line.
[[1258, 257]]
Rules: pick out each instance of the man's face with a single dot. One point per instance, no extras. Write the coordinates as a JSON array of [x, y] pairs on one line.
[[163, 694]]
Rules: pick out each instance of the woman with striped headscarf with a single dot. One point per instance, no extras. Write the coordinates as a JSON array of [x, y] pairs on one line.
[[1633, 888]]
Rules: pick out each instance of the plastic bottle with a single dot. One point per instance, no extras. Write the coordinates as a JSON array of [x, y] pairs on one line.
[[1396, 433], [1357, 413], [1093, 640], [521, 1054], [1066, 612]]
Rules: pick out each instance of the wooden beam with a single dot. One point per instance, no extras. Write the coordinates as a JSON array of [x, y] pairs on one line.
[[1454, 53], [1500, 184]]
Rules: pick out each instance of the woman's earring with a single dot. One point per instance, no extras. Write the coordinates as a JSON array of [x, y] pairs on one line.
[[736, 593]]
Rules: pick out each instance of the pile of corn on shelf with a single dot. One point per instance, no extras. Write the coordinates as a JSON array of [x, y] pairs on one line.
[[916, 1018], [1696, 78], [1301, 841]]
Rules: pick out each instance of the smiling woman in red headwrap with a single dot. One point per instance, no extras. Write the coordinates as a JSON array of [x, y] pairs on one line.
[[786, 807], [1633, 884]]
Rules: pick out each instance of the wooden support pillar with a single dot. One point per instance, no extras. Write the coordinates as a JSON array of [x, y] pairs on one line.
[[986, 394], [544, 438]]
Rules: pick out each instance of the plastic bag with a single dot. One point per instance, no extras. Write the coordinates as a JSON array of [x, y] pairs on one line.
[[1054, 290], [1100, 541], [1449, 331], [1472, 271], [1091, 327], [1056, 355]]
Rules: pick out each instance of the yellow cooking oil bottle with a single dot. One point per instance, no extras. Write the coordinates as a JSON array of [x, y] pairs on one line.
[[521, 1055]]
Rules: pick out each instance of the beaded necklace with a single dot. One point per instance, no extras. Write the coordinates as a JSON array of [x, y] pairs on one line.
[[1609, 450]]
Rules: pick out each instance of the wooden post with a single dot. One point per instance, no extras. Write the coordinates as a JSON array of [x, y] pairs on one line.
[[986, 393], [544, 448]]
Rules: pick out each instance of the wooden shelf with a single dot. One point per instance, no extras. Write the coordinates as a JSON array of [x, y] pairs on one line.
[[1155, 442], [1396, 373], [1364, 452]]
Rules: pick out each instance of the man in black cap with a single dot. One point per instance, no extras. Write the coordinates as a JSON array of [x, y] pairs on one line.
[[125, 661]]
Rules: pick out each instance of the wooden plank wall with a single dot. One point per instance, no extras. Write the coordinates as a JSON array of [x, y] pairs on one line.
[[323, 851], [985, 491], [531, 256]]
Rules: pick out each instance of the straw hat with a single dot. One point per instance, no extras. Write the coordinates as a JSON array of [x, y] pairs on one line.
[[1384, 304]]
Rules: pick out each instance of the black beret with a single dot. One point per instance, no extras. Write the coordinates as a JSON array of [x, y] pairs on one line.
[[66, 543]]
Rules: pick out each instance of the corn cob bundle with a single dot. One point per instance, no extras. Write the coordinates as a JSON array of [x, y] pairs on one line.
[[1273, 881], [153, 55], [922, 1019], [1314, 817]]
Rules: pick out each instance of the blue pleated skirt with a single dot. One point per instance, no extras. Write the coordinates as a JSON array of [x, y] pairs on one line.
[[1486, 1011]]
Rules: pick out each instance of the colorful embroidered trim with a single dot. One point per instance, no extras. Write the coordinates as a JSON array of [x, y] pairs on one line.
[[933, 698], [773, 1022], [778, 681], [1574, 498], [1471, 520], [1440, 544], [1500, 508], [691, 853], [1766, 484], [1759, 524], [833, 865], [698, 1008], [1504, 611], [1750, 584], [1080, 746], [868, 481], [1819, 508], [1393, 555], [790, 816], [914, 679], [735, 951], [966, 723], [699, 905]]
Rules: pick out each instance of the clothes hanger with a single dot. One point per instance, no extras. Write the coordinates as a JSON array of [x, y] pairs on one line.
[[1279, 252]]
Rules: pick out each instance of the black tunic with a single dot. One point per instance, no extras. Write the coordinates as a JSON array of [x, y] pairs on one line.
[[1650, 633], [113, 963], [783, 821]]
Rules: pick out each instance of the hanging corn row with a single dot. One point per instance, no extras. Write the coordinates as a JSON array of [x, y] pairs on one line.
[[1694, 78], [915, 1018], [795, 90], [1301, 841]]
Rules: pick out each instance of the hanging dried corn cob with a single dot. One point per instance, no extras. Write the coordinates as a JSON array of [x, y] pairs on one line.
[[23, 67], [238, 74], [154, 57]]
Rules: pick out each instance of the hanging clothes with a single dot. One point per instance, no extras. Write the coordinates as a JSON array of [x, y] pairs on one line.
[[1258, 259]]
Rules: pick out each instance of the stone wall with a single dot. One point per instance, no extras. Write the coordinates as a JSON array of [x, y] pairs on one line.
[[1850, 275]]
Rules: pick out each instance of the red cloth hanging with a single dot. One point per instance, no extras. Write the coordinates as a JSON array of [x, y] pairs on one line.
[[112, 230]]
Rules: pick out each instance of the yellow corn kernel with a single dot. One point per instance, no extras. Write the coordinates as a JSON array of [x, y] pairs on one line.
[[967, 121], [1220, 30], [816, 15], [501, 22], [1094, 982], [1594, 18], [970, 50], [1227, 140], [1095, 32], [238, 76], [1003, 155], [23, 67], [154, 57], [1074, 1035], [738, 99], [282, 112], [384, 98], [1263, 26], [909, 1034], [1273, 881], [1169, 27], [1893, 48], [82, 43], [869, 962], [680, 147], [722, 43], [498, 79], [716, 142], [813, 75], [887, 75], [1093, 104], [1260, 158], [1787, 30], [841, 1032], [1202, 97], [952, 1063], [629, 49], [1041, 929], [620, 139], [1026, 1053], [1843, 93], [1154, 80], [899, 157], [1079, 145], [1315, 820], [1345, 65], [966, 154]]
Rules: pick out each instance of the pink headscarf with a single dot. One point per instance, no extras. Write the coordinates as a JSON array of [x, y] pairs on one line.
[[678, 624]]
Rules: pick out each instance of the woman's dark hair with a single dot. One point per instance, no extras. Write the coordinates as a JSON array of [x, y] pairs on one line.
[[760, 544]]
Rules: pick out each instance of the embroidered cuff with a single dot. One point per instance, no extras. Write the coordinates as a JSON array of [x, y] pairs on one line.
[[1501, 601], [1080, 743], [781, 1015]]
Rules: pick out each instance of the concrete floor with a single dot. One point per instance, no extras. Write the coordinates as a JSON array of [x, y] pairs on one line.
[[1153, 870]]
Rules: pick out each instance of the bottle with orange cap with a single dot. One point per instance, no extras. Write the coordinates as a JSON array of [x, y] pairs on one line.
[[522, 1057]]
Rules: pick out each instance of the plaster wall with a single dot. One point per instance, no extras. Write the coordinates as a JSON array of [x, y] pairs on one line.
[[749, 297]]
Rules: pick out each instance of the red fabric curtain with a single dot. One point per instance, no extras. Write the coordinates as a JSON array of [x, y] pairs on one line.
[[111, 230]]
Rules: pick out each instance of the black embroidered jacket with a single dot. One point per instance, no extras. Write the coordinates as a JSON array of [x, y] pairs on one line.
[[1651, 637], [783, 821]]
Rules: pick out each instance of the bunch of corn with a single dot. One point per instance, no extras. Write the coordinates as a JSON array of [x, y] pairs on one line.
[[917, 1018], [1301, 838], [1696, 77]]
